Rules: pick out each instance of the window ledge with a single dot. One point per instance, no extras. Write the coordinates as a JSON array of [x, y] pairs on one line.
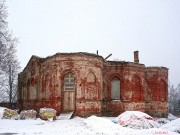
[[115, 100], [118, 100]]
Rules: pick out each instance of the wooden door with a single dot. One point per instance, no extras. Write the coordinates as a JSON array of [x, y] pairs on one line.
[[69, 93]]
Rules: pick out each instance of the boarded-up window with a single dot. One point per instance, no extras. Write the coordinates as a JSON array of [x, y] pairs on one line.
[[115, 89], [69, 82]]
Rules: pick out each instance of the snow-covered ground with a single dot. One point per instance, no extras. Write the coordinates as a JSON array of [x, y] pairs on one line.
[[83, 126], [77, 126], [172, 126]]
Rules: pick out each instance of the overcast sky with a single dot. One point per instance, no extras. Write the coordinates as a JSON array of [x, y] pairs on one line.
[[45, 27]]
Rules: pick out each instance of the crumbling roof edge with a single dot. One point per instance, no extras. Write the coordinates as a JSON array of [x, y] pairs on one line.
[[125, 62], [71, 53], [33, 56], [157, 67]]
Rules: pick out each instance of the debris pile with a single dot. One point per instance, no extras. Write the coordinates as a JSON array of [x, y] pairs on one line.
[[8, 113], [28, 114], [136, 120], [162, 121], [47, 114]]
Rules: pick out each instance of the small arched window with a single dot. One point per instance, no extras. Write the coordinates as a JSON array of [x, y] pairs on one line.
[[115, 88], [68, 82]]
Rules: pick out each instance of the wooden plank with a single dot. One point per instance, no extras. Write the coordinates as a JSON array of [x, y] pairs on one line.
[[65, 116], [69, 101]]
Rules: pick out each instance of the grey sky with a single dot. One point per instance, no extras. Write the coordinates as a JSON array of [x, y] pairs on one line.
[[45, 27]]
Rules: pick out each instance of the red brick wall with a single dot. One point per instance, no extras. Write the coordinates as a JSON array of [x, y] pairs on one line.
[[49, 75], [156, 94], [132, 81], [141, 88]]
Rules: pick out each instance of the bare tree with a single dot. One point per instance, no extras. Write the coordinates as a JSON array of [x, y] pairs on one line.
[[174, 99], [11, 74], [9, 65]]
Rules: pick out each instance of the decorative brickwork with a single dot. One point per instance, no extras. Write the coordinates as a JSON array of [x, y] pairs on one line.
[[87, 84]]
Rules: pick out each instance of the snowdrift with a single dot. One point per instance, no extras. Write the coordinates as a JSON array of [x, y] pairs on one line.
[[85, 126], [136, 120], [174, 126], [162, 121], [171, 117], [104, 126]]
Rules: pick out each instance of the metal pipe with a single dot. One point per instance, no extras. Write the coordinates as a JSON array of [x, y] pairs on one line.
[[108, 56]]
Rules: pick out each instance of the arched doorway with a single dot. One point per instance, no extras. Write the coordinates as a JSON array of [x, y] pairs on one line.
[[68, 93]]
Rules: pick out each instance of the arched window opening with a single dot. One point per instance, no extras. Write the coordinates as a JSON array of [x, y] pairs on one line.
[[115, 88], [69, 82]]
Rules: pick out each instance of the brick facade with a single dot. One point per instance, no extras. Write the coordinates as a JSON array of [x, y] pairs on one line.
[[44, 83]]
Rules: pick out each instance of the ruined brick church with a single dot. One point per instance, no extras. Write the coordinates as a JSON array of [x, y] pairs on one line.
[[90, 84]]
